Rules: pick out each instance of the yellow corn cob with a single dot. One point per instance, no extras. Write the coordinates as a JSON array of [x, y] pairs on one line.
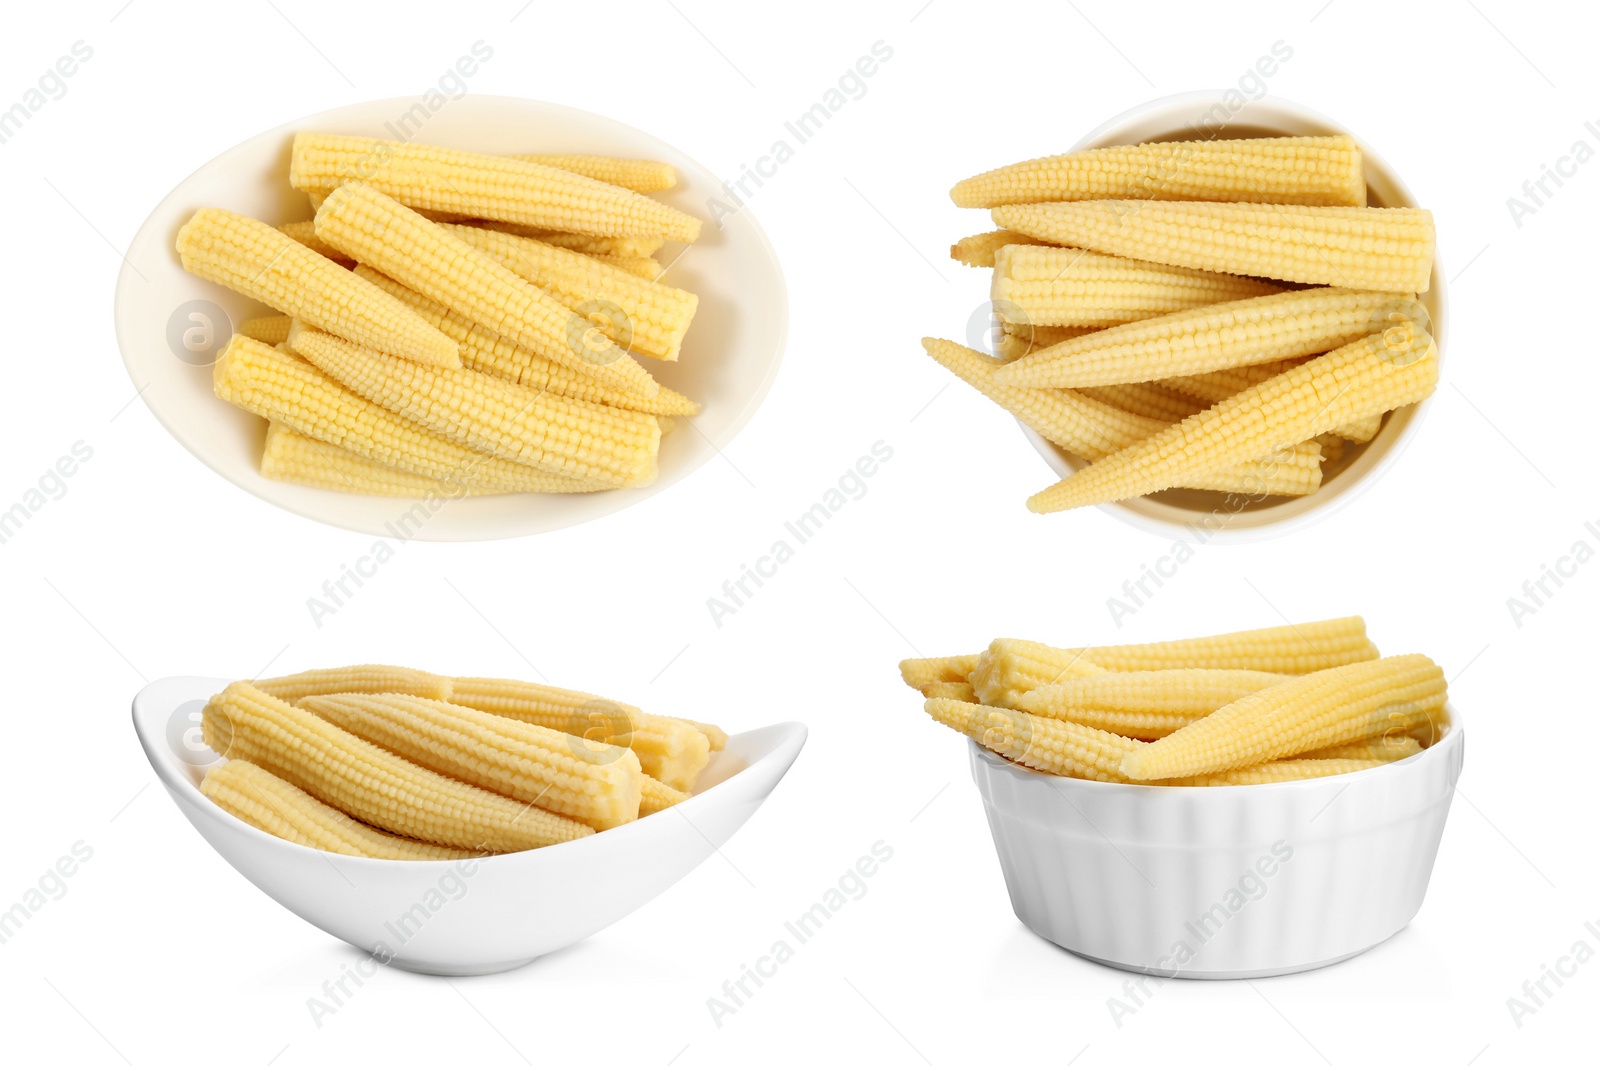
[[640, 266], [482, 186], [639, 315], [370, 784], [640, 175], [317, 198], [268, 329], [947, 669], [1283, 770], [281, 387], [252, 258], [274, 806], [1265, 170], [979, 249], [1384, 248], [1220, 384], [629, 247], [950, 690], [1378, 373], [1018, 339], [671, 751], [1010, 667], [1147, 399], [435, 262], [306, 233], [1260, 329], [301, 460], [715, 736], [656, 797], [1315, 710], [530, 763], [1093, 430], [1063, 748], [1144, 704], [573, 438], [367, 678], [1387, 748], [1333, 448], [487, 352], [1072, 287], [579, 714]]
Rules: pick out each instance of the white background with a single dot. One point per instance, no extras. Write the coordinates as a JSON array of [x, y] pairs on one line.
[[150, 565]]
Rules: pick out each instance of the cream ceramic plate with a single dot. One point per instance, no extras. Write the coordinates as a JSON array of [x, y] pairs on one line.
[[1197, 115], [468, 916], [164, 314]]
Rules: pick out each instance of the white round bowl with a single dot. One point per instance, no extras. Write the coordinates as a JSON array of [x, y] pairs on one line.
[[1220, 882], [468, 916], [729, 360], [1189, 116]]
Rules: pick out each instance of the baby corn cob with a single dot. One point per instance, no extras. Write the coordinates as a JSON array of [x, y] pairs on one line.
[[482, 186], [361, 679], [1266, 170], [715, 736], [530, 763], [950, 690], [1054, 747], [252, 258], [1387, 748], [1261, 329], [1271, 773], [979, 249], [487, 352], [1291, 649], [920, 673], [293, 457], [1147, 399], [671, 751], [430, 259], [1144, 704], [268, 329], [1093, 430], [1384, 248], [641, 316], [655, 797], [306, 233], [1008, 668], [285, 388], [572, 438], [274, 806], [631, 247], [1220, 384], [1073, 287], [1316, 710], [1378, 373], [576, 713], [368, 783], [639, 175], [1017, 339]]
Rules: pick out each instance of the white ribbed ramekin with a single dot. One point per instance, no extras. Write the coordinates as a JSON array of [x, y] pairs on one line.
[[1223, 882]]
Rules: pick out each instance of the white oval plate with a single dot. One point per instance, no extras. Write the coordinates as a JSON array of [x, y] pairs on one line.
[[1190, 115], [730, 356], [466, 916]]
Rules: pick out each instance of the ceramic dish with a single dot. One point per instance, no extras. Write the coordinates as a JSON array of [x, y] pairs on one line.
[[730, 356], [1191, 116], [466, 916]]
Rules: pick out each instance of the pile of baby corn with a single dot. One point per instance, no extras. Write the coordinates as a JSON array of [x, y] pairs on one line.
[[1224, 314], [454, 323], [392, 763], [1265, 705]]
